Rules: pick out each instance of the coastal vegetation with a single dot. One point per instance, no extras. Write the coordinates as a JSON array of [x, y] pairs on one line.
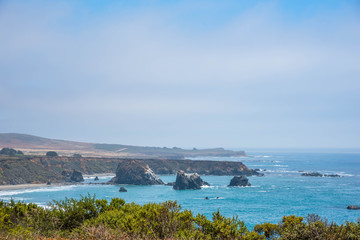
[[51, 154], [91, 218], [10, 152]]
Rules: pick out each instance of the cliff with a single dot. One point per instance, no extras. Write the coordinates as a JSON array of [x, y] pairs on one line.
[[30, 169]]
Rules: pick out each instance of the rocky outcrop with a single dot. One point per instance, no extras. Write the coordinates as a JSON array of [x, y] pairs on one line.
[[122, 189], [37, 169], [312, 174], [136, 173], [331, 175], [353, 207], [76, 176], [239, 181], [188, 181], [202, 167], [316, 174], [96, 178]]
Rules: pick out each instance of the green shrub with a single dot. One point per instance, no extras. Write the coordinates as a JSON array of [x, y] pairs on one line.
[[91, 218]]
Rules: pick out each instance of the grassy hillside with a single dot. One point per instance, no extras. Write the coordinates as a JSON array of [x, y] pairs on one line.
[[39, 145]]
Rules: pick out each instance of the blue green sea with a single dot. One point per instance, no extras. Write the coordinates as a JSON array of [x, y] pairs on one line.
[[281, 191]]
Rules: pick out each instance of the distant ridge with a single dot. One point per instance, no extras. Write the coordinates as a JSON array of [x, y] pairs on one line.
[[38, 145]]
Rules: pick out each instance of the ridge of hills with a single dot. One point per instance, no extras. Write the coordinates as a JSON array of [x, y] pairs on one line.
[[35, 145]]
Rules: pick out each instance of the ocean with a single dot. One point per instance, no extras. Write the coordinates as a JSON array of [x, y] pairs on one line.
[[281, 191]]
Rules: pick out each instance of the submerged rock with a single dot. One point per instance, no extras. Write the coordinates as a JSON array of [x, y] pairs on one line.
[[353, 207], [136, 173], [122, 189], [312, 174], [188, 181], [76, 176], [239, 181], [331, 175]]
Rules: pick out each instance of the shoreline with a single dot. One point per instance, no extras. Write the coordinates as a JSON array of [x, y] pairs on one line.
[[42, 185], [27, 186]]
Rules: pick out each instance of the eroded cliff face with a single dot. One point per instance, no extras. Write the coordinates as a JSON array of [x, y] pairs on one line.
[[135, 172], [202, 167], [36, 169]]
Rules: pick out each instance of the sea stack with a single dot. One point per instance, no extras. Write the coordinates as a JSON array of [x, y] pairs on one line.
[[188, 181], [135, 173], [76, 176], [239, 181]]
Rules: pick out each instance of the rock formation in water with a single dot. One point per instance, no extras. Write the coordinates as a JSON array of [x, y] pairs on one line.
[[188, 181], [316, 174], [353, 207], [136, 173], [122, 189], [96, 178], [239, 181], [76, 176], [331, 175], [312, 174]]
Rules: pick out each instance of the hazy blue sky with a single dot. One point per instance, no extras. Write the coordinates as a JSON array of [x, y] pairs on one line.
[[236, 74]]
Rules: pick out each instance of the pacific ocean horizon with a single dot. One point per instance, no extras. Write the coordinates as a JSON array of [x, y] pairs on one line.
[[281, 191]]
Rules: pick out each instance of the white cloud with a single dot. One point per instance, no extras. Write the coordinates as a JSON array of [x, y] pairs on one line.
[[255, 68]]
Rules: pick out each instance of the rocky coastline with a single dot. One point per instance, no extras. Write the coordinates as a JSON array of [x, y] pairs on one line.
[[42, 169]]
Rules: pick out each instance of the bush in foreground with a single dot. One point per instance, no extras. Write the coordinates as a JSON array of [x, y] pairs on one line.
[[91, 218]]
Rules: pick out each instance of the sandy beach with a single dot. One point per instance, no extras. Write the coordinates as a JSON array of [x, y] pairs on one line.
[[41, 185], [99, 175], [23, 186]]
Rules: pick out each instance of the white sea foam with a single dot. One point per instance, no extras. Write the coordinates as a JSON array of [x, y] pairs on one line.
[[342, 174], [261, 156], [16, 199], [258, 165], [33, 190], [281, 171], [327, 172]]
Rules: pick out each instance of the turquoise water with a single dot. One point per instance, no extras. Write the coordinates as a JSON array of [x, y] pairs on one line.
[[282, 191]]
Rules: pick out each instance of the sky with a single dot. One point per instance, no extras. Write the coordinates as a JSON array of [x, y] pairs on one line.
[[234, 74]]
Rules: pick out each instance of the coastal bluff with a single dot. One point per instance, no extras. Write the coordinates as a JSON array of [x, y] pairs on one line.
[[41, 169]]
